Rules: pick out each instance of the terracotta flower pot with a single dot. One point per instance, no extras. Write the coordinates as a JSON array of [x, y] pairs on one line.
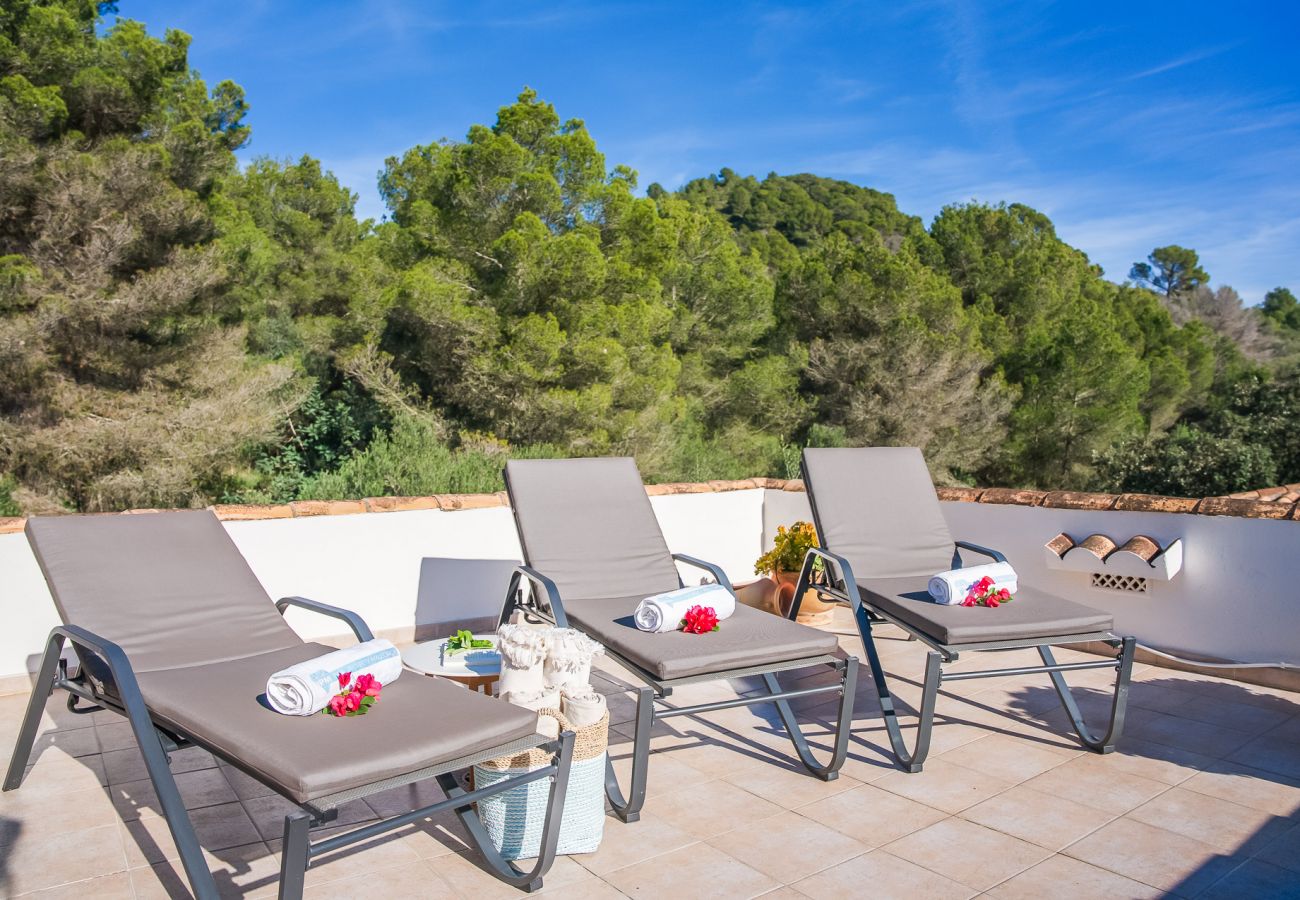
[[812, 611]]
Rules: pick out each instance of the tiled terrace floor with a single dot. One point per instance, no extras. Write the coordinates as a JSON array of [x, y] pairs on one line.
[[1202, 800]]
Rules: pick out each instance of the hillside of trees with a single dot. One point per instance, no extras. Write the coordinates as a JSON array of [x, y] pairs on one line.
[[176, 330]]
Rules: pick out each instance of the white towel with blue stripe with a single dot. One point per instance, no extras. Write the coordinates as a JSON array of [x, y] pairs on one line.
[[306, 688], [664, 612], [952, 586]]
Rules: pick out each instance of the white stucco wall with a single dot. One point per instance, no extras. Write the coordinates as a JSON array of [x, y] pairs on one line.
[[397, 569], [1237, 597]]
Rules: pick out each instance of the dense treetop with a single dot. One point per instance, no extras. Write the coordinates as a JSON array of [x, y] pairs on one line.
[[175, 330]]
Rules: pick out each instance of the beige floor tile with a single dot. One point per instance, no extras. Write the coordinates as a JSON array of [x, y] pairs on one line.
[[463, 876], [1092, 781], [148, 840], [667, 771], [879, 874], [57, 774], [627, 844], [384, 852], [65, 857], [245, 786], [34, 817], [1244, 717], [872, 816], [1249, 787], [75, 743], [690, 871], [204, 787], [1042, 819], [1009, 757], [976, 856], [105, 887], [116, 735], [788, 786], [1061, 876], [1154, 856], [1272, 755], [785, 892], [1210, 740], [248, 872], [710, 809], [788, 846], [1284, 850], [1228, 826], [1255, 880], [268, 815], [1159, 762], [944, 785], [414, 879]]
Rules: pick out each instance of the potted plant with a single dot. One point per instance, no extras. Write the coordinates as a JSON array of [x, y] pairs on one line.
[[783, 563]]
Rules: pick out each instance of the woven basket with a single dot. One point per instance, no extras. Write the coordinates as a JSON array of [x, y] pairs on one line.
[[514, 818]]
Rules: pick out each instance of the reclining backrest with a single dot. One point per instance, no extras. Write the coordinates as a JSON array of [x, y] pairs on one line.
[[170, 588], [876, 507], [587, 524]]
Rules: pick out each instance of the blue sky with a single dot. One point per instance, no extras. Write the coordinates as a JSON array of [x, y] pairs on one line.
[[1132, 125]]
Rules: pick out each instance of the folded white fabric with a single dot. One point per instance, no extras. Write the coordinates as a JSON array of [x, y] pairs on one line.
[[952, 586], [548, 726], [523, 651], [664, 612], [306, 688], [568, 658], [534, 700], [582, 706]]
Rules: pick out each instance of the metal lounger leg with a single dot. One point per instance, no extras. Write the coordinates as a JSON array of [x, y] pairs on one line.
[[844, 723], [911, 760], [629, 809], [32, 718], [499, 866], [1119, 702], [294, 855]]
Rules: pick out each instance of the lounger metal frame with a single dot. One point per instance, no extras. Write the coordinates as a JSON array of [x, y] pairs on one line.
[[156, 742], [841, 585], [656, 690]]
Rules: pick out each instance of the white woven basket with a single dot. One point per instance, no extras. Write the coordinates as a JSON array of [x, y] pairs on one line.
[[514, 818]]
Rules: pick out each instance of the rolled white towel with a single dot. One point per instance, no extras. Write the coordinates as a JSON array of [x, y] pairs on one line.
[[582, 706], [304, 689], [664, 612], [534, 700], [548, 726], [568, 658], [952, 586]]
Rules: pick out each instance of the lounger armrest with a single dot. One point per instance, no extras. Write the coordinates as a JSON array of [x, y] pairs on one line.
[[712, 568], [355, 622], [538, 580], [119, 666], [976, 548], [837, 568]]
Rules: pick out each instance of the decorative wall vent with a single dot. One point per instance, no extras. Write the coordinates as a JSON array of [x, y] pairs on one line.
[[1124, 583], [1139, 557]]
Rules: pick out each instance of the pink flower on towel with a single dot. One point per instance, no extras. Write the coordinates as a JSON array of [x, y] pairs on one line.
[[700, 619], [344, 678], [368, 685], [336, 706]]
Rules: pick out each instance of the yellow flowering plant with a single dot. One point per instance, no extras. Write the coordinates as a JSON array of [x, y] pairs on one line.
[[789, 549]]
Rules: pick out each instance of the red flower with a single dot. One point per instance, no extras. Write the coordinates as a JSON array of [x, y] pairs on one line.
[[344, 678], [337, 706], [368, 686], [700, 619]]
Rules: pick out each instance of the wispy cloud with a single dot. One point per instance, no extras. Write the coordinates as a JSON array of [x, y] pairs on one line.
[[1185, 60]]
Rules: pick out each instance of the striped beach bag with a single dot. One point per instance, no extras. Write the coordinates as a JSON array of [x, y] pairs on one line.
[[514, 818]]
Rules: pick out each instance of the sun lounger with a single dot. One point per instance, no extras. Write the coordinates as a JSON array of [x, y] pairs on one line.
[[882, 536], [174, 632], [593, 549]]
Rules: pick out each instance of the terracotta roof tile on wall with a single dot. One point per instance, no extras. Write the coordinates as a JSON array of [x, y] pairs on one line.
[[1282, 502]]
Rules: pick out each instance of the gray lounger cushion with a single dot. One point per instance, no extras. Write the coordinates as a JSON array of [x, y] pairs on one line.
[[588, 525], [751, 637], [1031, 614], [171, 589], [877, 508], [418, 722]]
